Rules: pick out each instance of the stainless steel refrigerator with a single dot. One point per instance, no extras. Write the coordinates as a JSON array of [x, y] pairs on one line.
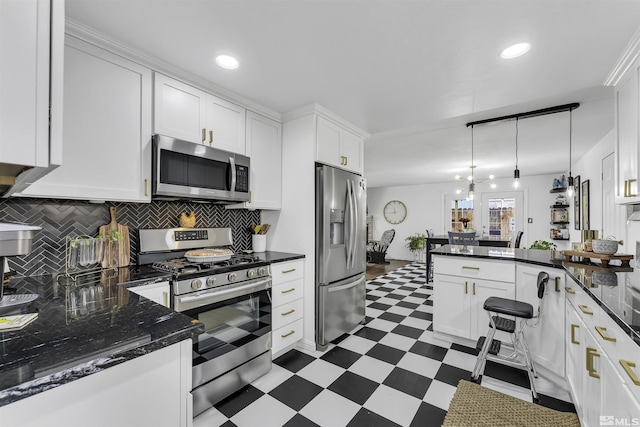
[[340, 252]]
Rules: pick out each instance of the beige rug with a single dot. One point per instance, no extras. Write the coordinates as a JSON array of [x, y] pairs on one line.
[[476, 406]]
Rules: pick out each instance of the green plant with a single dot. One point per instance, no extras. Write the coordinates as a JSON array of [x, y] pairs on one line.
[[543, 244], [416, 242]]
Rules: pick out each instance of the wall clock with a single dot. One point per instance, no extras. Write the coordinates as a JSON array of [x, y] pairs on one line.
[[395, 212]]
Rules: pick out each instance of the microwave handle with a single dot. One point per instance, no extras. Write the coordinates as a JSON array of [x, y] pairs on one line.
[[232, 162]]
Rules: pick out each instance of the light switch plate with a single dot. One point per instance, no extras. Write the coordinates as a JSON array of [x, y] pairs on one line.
[[530, 220]]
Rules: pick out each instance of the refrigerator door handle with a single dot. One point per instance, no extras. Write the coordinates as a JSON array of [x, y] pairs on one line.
[[354, 219], [343, 287], [349, 225], [351, 259]]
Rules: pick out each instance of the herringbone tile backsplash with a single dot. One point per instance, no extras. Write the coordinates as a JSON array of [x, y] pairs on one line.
[[62, 218]]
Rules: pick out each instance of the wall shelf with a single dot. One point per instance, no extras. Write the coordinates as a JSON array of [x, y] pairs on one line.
[[558, 190]]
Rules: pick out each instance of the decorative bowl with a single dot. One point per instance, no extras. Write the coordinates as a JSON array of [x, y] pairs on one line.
[[605, 247]]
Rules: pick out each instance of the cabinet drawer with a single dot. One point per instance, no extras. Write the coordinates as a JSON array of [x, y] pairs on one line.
[[287, 313], [286, 335], [286, 292], [475, 268], [286, 271]]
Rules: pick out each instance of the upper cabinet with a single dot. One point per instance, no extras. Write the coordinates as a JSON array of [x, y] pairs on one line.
[[185, 112], [106, 130], [625, 77], [338, 147], [264, 147], [31, 44]]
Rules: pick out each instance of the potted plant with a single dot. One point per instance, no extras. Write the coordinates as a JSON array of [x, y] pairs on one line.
[[416, 243], [544, 245]]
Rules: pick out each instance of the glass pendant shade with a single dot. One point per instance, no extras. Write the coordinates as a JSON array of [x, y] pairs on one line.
[[516, 178], [570, 186]]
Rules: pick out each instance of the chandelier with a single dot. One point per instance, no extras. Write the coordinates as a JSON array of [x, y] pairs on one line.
[[471, 187]]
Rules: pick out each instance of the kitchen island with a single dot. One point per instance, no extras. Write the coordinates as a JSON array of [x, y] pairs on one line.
[[588, 338]]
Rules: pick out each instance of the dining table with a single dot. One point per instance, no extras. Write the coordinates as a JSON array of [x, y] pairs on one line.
[[442, 239]]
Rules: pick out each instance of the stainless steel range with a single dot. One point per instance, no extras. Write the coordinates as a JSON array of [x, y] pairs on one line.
[[229, 293]]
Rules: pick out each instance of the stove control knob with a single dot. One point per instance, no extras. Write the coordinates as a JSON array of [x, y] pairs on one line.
[[233, 277], [196, 284], [262, 271], [211, 281], [251, 274]]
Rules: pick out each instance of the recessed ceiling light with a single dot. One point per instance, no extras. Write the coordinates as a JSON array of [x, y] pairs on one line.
[[226, 61], [515, 50]]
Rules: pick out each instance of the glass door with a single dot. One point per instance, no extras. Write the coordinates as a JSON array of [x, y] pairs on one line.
[[503, 214]]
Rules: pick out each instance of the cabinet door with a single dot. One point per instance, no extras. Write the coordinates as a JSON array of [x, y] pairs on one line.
[[328, 137], [264, 146], [451, 308], [575, 331], [179, 109], [225, 123], [480, 290], [24, 82], [352, 149], [626, 98], [156, 292], [546, 341], [107, 129]]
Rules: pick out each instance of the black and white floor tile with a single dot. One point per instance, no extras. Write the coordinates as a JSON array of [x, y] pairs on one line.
[[390, 371]]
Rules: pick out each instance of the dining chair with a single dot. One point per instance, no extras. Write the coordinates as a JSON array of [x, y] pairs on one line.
[[518, 239], [465, 239]]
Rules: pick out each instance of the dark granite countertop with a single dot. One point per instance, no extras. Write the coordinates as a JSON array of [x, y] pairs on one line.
[[66, 343], [615, 288]]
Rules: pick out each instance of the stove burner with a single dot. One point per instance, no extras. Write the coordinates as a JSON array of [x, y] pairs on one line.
[[183, 266]]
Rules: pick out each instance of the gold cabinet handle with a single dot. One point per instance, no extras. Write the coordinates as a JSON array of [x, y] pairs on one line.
[[346, 160], [573, 334], [474, 288], [288, 334], [557, 279], [166, 298], [466, 287], [288, 271], [628, 188], [585, 309], [603, 333], [466, 267], [286, 313], [591, 353], [204, 134], [288, 290], [210, 137], [569, 290], [146, 186], [627, 366]]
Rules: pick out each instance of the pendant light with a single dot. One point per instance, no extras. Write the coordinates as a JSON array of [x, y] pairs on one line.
[[516, 172], [570, 180], [472, 185]]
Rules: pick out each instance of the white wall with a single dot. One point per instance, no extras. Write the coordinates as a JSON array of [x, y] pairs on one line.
[[425, 209]]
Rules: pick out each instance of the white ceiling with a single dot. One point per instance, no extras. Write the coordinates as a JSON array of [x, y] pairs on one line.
[[411, 73]]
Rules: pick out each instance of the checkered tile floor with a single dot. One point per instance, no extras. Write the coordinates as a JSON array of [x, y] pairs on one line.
[[388, 372]]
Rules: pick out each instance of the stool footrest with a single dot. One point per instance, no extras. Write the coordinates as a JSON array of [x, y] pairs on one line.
[[504, 324], [494, 348]]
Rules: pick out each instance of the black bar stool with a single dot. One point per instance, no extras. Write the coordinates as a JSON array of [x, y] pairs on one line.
[[490, 348]]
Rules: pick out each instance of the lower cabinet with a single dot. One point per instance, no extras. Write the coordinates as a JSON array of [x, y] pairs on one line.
[[600, 372], [152, 390], [156, 292], [288, 280], [546, 340]]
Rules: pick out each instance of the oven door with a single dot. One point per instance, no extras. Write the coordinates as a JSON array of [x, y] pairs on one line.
[[182, 169], [237, 323]]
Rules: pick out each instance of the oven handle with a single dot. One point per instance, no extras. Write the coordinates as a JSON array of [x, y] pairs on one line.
[[213, 296]]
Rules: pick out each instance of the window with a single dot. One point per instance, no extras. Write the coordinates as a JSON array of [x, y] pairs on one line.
[[461, 215]]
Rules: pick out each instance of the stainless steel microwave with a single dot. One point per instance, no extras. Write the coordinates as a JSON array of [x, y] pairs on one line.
[[185, 170]]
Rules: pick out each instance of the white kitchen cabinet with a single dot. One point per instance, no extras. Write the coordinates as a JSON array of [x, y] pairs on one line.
[[152, 390], [627, 108], [288, 280], [546, 341], [185, 112], [338, 147], [458, 307], [107, 129], [264, 147], [31, 45], [156, 292]]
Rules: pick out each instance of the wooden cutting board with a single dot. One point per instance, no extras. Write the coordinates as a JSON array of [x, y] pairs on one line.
[[119, 254]]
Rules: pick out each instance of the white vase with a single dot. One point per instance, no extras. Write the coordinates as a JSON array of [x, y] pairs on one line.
[[259, 242]]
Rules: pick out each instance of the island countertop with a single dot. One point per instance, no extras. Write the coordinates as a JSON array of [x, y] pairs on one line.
[[616, 289]]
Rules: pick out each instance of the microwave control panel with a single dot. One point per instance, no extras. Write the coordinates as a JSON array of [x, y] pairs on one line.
[[242, 178]]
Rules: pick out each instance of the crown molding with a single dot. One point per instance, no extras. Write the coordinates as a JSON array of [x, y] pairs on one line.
[[319, 110], [90, 35], [629, 56]]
